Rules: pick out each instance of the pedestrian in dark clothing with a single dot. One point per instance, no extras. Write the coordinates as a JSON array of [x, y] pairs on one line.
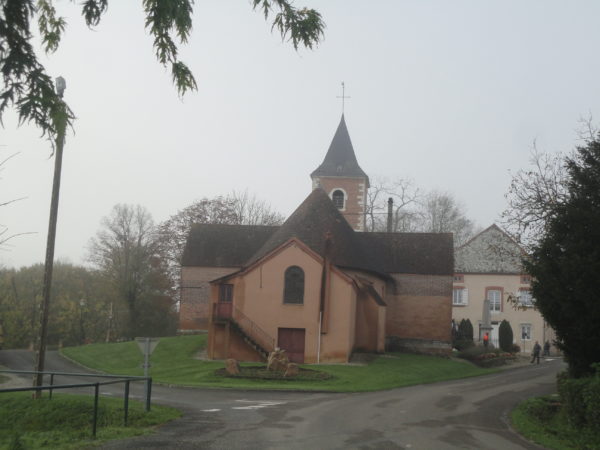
[[535, 354], [547, 348]]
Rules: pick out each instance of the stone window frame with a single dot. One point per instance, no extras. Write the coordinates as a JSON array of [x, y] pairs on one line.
[[344, 198], [529, 328], [499, 289], [464, 296], [293, 285]]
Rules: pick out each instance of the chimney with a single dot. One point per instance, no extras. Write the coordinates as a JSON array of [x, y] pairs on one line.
[[390, 214]]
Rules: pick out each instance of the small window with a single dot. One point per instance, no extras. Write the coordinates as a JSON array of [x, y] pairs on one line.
[[459, 297], [525, 298], [338, 199], [293, 291], [459, 278], [525, 331], [495, 298], [226, 293], [525, 279]]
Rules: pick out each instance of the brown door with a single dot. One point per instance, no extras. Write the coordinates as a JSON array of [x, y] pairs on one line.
[[292, 341]]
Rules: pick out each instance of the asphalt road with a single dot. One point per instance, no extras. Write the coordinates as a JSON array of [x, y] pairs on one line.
[[470, 413]]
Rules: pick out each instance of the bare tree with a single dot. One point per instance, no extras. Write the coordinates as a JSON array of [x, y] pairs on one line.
[[405, 196], [532, 196], [441, 213], [126, 249], [250, 210]]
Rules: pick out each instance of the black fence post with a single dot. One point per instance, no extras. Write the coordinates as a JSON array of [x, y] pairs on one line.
[[148, 393], [95, 420], [126, 402], [51, 383]]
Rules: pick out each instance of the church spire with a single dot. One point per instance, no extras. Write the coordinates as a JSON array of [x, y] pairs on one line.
[[340, 176], [340, 160]]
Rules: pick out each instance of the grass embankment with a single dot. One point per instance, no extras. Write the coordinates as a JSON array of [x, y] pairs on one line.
[[173, 363], [540, 419], [65, 421]]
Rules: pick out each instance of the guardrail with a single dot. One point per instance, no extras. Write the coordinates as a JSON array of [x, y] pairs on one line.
[[260, 336], [117, 379]]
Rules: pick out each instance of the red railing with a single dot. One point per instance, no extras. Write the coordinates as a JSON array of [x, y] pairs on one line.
[[225, 310], [256, 333]]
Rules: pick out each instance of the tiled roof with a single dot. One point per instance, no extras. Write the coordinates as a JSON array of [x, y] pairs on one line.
[[340, 160], [416, 253], [312, 221], [218, 245]]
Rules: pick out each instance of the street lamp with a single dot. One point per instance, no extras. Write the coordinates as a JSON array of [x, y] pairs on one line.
[[81, 327], [60, 119]]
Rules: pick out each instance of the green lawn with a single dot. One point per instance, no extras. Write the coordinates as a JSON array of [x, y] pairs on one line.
[[541, 420], [173, 363], [65, 421]]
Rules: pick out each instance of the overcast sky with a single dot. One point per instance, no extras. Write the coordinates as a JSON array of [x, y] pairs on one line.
[[449, 94]]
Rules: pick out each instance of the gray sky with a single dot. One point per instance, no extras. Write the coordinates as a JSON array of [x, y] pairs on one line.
[[450, 94]]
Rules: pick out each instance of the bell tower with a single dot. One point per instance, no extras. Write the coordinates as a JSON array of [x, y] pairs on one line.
[[340, 176]]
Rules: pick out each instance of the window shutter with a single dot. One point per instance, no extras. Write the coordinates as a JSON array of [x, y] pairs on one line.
[[465, 296]]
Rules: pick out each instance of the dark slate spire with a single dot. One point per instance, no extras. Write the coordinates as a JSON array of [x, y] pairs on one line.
[[340, 160]]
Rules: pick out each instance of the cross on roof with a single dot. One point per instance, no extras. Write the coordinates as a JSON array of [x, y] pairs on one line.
[[343, 96]]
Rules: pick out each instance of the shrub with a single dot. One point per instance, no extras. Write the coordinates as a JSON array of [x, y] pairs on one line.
[[463, 338], [505, 336], [591, 402], [515, 348], [571, 391], [468, 330]]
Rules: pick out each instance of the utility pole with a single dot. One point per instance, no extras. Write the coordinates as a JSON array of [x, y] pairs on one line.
[[61, 127]]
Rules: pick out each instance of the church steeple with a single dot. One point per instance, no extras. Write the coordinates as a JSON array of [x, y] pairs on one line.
[[340, 160], [343, 179]]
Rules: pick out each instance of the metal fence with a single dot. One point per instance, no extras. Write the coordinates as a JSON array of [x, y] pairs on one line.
[[114, 379]]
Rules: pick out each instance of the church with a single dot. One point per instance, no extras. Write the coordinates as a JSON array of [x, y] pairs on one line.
[[319, 286]]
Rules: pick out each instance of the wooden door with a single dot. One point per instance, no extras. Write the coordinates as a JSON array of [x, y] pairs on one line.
[[292, 341]]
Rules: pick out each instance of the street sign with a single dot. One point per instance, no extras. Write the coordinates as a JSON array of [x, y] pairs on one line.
[[146, 345]]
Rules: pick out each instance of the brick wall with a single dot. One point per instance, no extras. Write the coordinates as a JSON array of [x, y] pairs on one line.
[[419, 307], [355, 189], [195, 295]]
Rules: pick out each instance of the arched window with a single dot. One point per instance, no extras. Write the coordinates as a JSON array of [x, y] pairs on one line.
[[338, 199], [293, 292]]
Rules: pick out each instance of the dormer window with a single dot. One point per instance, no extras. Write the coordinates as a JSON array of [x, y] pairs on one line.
[[338, 199]]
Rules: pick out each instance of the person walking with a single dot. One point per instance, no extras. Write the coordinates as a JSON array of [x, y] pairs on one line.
[[547, 348], [535, 354]]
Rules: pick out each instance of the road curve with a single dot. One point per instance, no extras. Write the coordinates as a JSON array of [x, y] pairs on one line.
[[469, 414]]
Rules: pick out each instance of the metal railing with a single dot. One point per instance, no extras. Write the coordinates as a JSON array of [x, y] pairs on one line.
[[116, 379], [255, 332]]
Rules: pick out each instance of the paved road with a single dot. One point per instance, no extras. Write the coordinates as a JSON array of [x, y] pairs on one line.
[[470, 413]]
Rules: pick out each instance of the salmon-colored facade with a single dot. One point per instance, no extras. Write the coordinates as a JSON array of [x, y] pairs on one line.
[[350, 317]]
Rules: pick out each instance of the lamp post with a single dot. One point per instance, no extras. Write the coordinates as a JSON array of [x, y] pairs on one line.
[[60, 120], [81, 327]]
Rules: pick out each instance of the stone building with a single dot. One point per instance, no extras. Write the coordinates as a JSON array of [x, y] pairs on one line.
[[489, 266], [318, 286]]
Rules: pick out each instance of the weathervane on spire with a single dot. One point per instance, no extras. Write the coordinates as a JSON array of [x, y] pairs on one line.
[[343, 97]]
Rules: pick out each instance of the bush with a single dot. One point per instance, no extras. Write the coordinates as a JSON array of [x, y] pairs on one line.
[[515, 348], [505, 336], [580, 398]]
